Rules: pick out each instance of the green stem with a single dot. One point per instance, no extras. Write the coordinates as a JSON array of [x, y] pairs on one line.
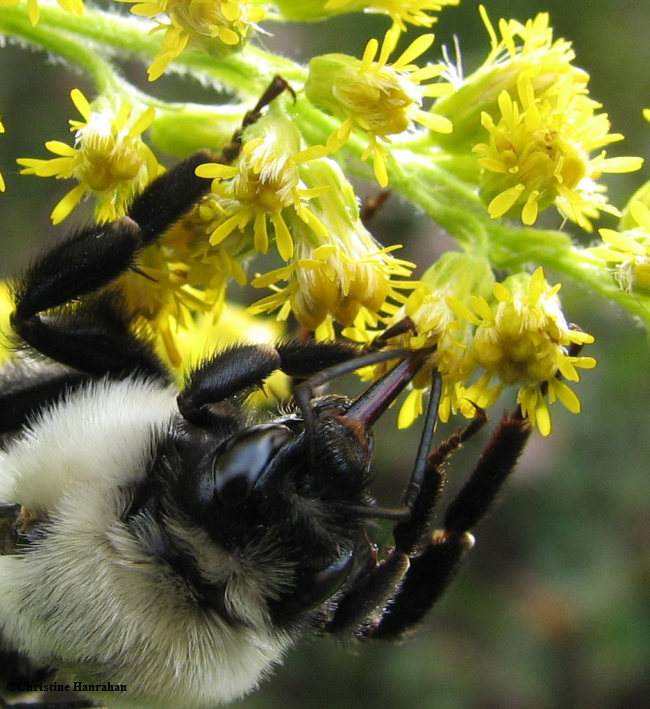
[[100, 33], [15, 23], [582, 268]]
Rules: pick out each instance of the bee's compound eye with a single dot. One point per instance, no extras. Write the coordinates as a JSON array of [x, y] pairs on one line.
[[240, 462]]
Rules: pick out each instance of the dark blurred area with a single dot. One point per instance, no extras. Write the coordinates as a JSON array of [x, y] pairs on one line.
[[552, 608]]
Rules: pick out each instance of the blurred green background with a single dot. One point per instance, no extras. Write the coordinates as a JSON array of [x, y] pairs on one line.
[[552, 608]]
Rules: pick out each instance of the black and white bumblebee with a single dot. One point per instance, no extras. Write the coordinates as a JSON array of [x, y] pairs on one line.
[[160, 539]]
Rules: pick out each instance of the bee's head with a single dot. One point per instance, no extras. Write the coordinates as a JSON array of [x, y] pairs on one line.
[[276, 507]]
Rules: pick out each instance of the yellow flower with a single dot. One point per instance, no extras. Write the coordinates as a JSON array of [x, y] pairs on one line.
[[339, 274], [264, 184], [629, 249], [540, 153], [434, 325], [75, 7], [539, 137], [211, 25], [376, 97], [108, 159], [522, 339], [413, 12]]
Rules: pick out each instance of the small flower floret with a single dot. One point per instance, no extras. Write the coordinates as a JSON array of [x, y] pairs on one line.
[[211, 25], [337, 274], [628, 251], [380, 99], [539, 137], [522, 339], [109, 159], [263, 185]]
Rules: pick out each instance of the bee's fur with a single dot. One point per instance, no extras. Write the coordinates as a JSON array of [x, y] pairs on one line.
[[95, 581]]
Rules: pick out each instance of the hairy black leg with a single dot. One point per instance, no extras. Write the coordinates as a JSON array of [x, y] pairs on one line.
[[428, 477], [376, 585], [495, 464], [96, 339], [93, 338], [224, 375], [170, 196], [431, 571], [93, 257], [85, 261], [371, 590], [243, 367]]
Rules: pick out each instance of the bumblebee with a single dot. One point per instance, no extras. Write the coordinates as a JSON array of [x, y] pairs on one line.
[[166, 547]]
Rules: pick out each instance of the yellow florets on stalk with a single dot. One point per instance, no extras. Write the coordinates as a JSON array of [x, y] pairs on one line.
[[378, 98], [485, 336], [538, 135], [209, 25], [264, 185], [338, 273], [522, 339], [523, 122], [108, 160]]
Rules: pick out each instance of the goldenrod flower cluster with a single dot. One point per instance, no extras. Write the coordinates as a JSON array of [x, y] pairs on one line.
[[483, 154], [536, 131], [521, 338], [486, 336]]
